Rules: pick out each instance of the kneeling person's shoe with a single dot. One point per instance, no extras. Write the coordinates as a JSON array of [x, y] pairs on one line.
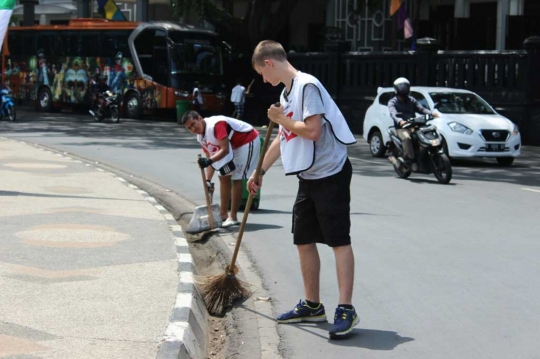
[[303, 313], [344, 322]]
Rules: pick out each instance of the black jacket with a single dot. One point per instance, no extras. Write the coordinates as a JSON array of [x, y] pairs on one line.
[[408, 108]]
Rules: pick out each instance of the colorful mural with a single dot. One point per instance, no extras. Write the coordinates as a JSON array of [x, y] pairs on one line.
[[69, 78]]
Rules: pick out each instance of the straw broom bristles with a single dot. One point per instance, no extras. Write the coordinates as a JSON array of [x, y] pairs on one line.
[[220, 291]]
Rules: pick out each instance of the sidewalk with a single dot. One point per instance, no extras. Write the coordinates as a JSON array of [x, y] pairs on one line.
[[88, 264]]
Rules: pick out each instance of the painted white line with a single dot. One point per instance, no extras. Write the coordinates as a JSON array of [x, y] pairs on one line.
[[151, 199], [175, 228], [121, 179], [168, 216], [183, 300], [159, 207], [184, 258], [175, 331], [180, 242], [186, 277], [100, 170], [142, 192], [532, 190], [377, 163], [132, 186]]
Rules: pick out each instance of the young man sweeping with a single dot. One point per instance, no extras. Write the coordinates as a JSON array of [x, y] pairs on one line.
[[312, 140], [232, 147]]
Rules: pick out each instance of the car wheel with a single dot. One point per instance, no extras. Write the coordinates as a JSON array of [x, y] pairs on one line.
[[376, 144], [445, 148], [505, 161], [133, 106], [45, 100]]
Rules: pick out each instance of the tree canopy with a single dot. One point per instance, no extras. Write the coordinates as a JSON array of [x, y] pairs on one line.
[[262, 19]]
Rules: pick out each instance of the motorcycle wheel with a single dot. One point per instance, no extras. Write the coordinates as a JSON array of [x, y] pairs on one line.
[[443, 168], [115, 115], [12, 115], [402, 172]]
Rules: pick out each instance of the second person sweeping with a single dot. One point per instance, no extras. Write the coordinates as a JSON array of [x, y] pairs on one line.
[[232, 147]]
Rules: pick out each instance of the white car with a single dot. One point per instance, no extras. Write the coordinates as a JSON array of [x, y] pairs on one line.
[[469, 126]]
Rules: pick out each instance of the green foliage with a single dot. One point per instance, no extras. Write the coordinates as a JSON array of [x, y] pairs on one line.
[[182, 7]]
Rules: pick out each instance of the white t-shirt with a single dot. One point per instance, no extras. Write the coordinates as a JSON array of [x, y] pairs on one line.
[[238, 94]]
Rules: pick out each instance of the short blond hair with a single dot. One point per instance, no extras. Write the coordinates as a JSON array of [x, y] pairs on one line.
[[268, 50]]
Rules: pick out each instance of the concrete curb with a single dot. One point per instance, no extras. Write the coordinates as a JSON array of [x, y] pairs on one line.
[[186, 336]]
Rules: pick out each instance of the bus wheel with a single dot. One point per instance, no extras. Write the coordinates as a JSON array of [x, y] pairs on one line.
[[45, 100], [133, 106]]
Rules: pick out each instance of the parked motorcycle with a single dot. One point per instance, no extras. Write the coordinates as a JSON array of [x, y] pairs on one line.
[[7, 108], [428, 150], [111, 109]]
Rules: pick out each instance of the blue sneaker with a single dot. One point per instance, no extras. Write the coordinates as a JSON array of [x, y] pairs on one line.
[[344, 322], [303, 313]]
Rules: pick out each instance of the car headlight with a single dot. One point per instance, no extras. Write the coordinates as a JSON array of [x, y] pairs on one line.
[[515, 131], [458, 127], [181, 93]]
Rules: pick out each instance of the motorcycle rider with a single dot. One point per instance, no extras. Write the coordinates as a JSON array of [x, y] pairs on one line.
[[406, 105], [97, 88]]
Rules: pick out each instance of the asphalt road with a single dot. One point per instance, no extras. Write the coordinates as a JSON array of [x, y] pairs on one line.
[[441, 271]]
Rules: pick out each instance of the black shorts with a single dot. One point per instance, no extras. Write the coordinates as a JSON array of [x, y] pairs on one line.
[[321, 213]]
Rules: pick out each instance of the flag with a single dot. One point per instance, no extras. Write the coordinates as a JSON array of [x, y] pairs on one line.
[[110, 10], [404, 22], [6, 8], [394, 6]]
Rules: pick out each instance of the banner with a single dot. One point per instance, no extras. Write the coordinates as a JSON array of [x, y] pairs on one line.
[[404, 22], [110, 10], [6, 8], [394, 6]]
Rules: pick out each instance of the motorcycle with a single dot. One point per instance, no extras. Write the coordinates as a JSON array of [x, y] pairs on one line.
[[8, 106], [111, 109], [428, 150]]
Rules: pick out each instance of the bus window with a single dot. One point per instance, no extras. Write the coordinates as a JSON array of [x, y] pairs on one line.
[[144, 44], [161, 71], [89, 43], [29, 44], [113, 42], [15, 42], [49, 43], [67, 43], [197, 56]]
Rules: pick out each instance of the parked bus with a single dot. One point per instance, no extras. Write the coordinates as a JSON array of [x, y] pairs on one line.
[[152, 64]]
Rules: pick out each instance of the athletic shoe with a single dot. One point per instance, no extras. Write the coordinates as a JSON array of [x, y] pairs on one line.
[[344, 322], [229, 222], [303, 313]]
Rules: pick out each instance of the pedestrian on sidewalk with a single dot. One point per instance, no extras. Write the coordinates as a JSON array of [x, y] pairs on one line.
[[197, 97], [312, 140], [238, 97], [231, 147]]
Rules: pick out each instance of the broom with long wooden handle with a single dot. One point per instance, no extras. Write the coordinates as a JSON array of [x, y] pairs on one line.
[[221, 290]]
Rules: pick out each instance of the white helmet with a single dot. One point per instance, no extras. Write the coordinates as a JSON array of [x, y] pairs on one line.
[[402, 86]]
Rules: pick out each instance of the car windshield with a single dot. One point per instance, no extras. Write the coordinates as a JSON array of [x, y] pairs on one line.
[[460, 103]]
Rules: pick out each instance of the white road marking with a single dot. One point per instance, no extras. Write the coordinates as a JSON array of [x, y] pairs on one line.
[[530, 189], [378, 163]]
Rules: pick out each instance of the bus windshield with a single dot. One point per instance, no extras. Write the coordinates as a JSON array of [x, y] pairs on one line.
[[196, 57]]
